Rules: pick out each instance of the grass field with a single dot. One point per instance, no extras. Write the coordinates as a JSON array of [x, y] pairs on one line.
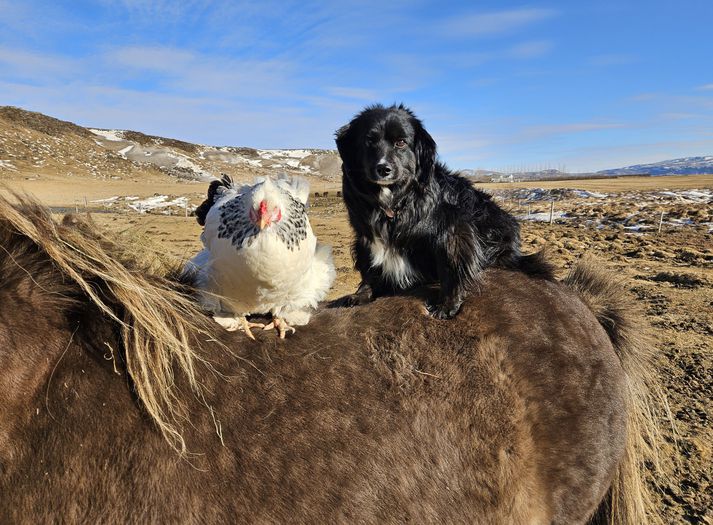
[[673, 182]]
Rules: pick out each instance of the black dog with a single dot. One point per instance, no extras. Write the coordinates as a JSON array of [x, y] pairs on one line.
[[417, 222]]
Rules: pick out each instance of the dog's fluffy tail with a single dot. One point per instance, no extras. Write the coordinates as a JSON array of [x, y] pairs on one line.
[[629, 500], [533, 264]]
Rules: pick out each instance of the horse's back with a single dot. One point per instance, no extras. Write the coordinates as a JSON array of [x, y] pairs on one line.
[[512, 412]]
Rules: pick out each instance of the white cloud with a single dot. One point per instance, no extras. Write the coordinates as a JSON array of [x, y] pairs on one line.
[[354, 93], [612, 59], [494, 23], [187, 71], [705, 87], [34, 65], [166, 9], [162, 59], [678, 116], [458, 144], [644, 97], [533, 49], [538, 131]]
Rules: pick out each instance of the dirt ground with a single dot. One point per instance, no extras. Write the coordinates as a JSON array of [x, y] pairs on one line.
[[670, 274]]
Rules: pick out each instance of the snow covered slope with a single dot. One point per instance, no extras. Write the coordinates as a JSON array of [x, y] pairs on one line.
[[683, 166], [32, 143]]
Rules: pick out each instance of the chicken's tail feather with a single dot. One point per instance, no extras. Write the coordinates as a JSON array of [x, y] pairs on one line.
[[214, 191]]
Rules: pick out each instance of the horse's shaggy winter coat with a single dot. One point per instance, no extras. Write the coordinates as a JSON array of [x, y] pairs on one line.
[[516, 413]]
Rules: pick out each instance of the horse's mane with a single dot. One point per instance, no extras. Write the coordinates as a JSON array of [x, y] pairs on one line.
[[158, 321]]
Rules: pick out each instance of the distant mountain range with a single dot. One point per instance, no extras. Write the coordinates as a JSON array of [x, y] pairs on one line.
[[683, 166], [33, 144]]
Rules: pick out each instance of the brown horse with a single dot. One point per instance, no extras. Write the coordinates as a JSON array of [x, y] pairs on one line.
[[122, 403]]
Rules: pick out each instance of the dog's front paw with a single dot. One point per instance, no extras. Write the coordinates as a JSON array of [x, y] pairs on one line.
[[349, 301], [442, 310]]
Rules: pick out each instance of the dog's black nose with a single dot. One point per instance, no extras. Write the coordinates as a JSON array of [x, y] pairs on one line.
[[383, 169]]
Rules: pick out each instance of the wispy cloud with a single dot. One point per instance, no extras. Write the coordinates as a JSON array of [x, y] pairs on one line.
[[533, 49], [644, 97], [544, 130], [354, 93], [166, 9], [190, 71], [705, 87], [162, 59], [612, 59], [36, 66], [678, 116], [494, 23], [457, 144], [436, 66]]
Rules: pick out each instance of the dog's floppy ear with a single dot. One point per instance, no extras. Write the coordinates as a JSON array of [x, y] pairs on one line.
[[344, 137], [425, 150]]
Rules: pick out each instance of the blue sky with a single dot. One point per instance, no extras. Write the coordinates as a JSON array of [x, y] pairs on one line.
[[500, 85]]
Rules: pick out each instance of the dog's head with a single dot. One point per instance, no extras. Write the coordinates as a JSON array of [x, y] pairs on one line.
[[386, 146]]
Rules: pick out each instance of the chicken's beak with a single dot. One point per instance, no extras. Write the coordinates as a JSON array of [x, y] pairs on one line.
[[260, 217]]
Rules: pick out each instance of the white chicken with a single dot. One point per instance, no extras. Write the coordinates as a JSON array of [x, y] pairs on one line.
[[260, 255]]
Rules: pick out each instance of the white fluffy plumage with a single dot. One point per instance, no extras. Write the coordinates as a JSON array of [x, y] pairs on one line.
[[260, 255]]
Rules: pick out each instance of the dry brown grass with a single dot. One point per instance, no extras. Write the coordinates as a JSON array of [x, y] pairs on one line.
[[610, 185]]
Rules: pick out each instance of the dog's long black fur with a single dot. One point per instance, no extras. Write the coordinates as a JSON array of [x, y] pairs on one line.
[[417, 222]]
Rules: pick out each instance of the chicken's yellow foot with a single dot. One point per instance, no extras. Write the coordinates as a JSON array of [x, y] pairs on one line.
[[233, 323], [280, 325]]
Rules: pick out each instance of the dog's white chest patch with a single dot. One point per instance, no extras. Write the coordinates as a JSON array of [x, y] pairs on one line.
[[385, 197], [393, 265]]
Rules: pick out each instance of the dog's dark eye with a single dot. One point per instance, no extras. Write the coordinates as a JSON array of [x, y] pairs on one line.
[[401, 143]]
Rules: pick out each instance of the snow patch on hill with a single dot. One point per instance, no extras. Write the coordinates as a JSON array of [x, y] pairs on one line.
[[701, 196], [289, 153], [7, 165], [114, 135], [156, 202], [210, 161], [122, 152]]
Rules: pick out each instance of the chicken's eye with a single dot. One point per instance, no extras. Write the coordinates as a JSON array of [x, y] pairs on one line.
[[400, 144]]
